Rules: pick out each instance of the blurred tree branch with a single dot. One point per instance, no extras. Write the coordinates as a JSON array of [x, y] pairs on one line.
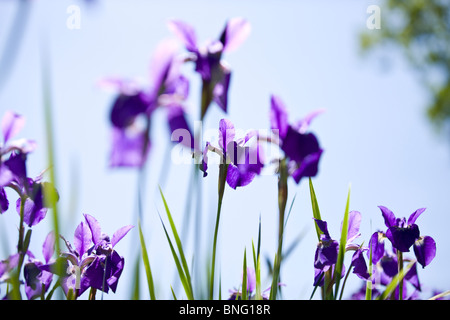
[[421, 30]]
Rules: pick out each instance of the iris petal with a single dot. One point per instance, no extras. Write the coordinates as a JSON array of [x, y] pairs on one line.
[[425, 250]]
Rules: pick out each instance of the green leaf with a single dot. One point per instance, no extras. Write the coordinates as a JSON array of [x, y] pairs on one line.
[[173, 293], [178, 242], [148, 270], [183, 278], [244, 278], [315, 207], [136, 285], [395, 281], [343, 242]]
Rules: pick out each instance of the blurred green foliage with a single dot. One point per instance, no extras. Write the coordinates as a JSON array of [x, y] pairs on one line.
[[421, 30]]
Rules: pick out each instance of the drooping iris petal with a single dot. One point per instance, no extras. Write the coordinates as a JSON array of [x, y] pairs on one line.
[[82, 239], [119, 234], [4, 203], [32, 285], [425, 250], [308, 167], [412, 277], [185, 33], [403, 238], [130, 147], [389, 217], [94, 274], [179, 127], [220, 91], [326, 254], [359, 265], [298, 146], [237, 178], [11, 124], [48, 248], [126, 108], [278, 116], [319, 278], [33, 212], [114, 268], [376, 244], [6, 176], [390, 265]]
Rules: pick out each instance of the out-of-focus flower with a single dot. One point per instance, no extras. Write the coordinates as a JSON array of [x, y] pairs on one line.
[[135, 103], [299, 146], [214, 71], [244, 159], [92, 262], [236, 294], [38, 281], [13, 173]]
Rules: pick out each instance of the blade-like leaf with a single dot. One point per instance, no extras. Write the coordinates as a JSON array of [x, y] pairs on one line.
[[244, 278], [148, 270], [183, 278], [177, 241], [343, 242], [315, 207]]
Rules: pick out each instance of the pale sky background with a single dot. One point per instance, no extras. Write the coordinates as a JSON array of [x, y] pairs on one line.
[[375, 133]]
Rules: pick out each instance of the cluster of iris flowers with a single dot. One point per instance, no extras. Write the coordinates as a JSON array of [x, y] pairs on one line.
[[90, 262]]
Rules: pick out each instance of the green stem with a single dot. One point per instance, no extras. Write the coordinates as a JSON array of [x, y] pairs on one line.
[[221, 189], [16, 295], [400, 270], [92, 294], [206, 98], [282, 200], [345, 281]]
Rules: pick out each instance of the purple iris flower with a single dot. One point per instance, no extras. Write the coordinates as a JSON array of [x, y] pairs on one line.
[[404, 234], [105, 270], [13, 172], [135, 103], [13, 155], [214, 72], [327, 250], [38, 281], [92, 262], [244, 159], [302, 148]]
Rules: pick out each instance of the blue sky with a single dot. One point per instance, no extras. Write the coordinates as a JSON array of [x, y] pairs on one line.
[[375, 133]]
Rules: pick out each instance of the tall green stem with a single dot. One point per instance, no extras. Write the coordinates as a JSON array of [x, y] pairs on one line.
[[223, 167], [282, 201]]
